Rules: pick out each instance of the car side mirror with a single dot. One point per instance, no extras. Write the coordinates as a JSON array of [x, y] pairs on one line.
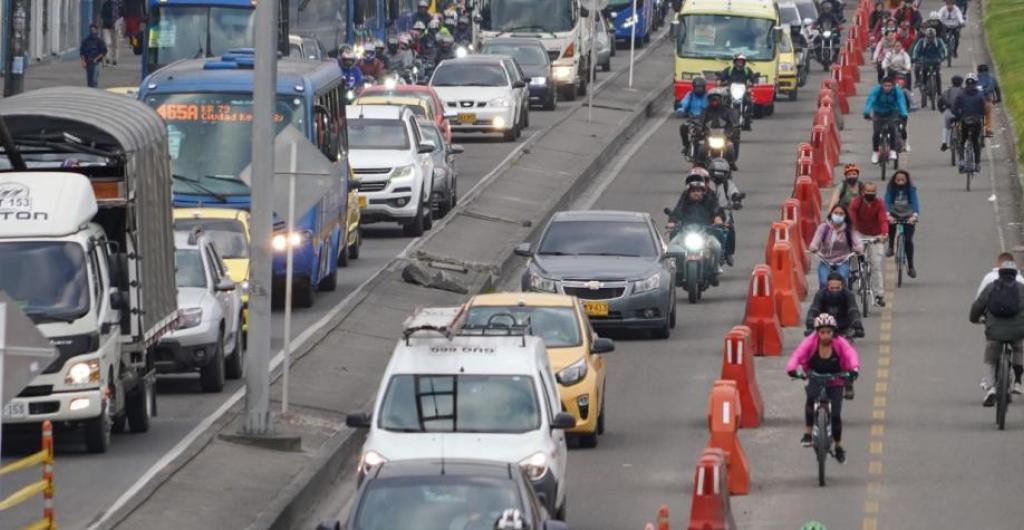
[[523, 249], [116, 300], [225, 285], [359, 420], [426, 148], [552, 524], [456, 149], [329, 525], [563, 420], [668, 211], [602, 345], [519, 84]]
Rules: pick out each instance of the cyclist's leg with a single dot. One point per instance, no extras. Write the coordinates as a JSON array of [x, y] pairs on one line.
[[947, 122], [908, 233], [988, 118], [892, 238], [876, 256], [844, 270], [976, 143], [812, 395], [823, 270], [876, 133], [992, 351], [1018, 361], [835, 396]]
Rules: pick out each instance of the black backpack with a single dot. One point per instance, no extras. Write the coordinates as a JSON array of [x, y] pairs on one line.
[[1003, 300]]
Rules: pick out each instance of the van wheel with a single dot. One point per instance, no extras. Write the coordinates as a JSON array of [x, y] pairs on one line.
[[303, 292], [343, 256], [353, 248], [211, 376], [139, 408], [235, 365], [415, 227], [97, 432], [330, 282], [588, 440], [526, 118]]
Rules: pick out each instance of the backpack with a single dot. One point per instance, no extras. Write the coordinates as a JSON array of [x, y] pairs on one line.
[[1003, 300]]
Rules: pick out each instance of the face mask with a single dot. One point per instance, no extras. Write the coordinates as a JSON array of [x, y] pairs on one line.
[[869, 197], [833, 297], [851, 180], [838, 218]]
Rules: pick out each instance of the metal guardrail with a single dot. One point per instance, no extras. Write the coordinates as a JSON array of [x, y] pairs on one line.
[[43, 458]]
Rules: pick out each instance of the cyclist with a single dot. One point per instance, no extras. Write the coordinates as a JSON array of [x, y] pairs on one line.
[[946, 106], [907, 36], [690, 108], [993, 275], [969, 109], [851, 187], [990, 87], [825, 353], [928, 55], [840, 302], [870, 219], [885, 104], [897, 63], [951, 17], [834, 241], [902, 204], [1000, 303], [909, 13]]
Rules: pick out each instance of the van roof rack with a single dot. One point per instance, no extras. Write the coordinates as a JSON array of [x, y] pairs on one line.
[[443, 321]]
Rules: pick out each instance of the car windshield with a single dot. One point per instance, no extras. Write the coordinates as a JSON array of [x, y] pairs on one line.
[[425, 97], [527, 15], [209, 137], [531, 55], [786, 44], [369, 133], [460, 403], [556, 325], [190, 32], [598, 238], [435, 503], [722, 36], [228, 235], [188, 268], [46, 279], [469, 74]]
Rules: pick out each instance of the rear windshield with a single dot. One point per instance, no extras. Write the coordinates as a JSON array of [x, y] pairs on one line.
[[377, 134], [557, 326], [460, 403]]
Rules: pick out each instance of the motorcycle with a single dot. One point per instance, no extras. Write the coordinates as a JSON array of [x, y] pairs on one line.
[[696, 267], [827, 46], [694, 134], [716, 144], [739, 102]]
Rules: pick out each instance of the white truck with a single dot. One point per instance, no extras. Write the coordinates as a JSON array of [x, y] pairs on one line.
[[565, 27], [86, 251]]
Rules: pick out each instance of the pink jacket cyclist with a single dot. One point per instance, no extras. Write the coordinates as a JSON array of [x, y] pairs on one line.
[[801, 357]]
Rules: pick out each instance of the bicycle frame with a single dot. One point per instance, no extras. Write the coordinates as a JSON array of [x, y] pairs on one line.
[[1003, 382], [821, 434], [901, 250]]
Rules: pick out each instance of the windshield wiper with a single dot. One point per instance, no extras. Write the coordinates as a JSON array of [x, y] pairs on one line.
[[40, 315], [194, 182], [619, 254]]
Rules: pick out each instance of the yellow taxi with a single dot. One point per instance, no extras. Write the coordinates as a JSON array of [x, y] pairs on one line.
[[573, 349], [789, 66], [418, 106], [228, 229]]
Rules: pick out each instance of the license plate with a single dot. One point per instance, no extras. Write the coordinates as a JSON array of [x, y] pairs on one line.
[[363, 201], [15, 409], [467, 117], [596, 309]]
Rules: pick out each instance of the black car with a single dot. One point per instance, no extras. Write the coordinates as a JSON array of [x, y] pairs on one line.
[[535, 63], [432, 494]]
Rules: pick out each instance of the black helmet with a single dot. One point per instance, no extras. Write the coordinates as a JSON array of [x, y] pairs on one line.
[[956, 80], [700, 85]]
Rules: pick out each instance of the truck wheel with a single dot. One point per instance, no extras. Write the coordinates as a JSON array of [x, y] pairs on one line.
[[415, 227], [235, 365], [568, 92], [353, 249], [343, 256], [330, 282], [211, 376], [97, 432], [303, 292], [139, 408]]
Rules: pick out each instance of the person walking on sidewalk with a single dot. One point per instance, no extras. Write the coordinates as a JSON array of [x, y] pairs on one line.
[[91, 52], [113, 27], [871, 220]]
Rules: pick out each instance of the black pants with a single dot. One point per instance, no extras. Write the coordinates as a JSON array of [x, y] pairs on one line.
[[730, 241], [879, 124], [971, 132], [835, 397], [908, 233]]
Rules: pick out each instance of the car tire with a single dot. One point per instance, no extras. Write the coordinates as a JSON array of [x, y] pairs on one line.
[[552, 100], [510, 134], [606, 66], [526, 117], [235, 364], [303, 293], [415, 227], [343, 257], [672, 316], [588, 440], [97, 432], [447, 204], [582, 89], [600, 417], [139, 408], [329, 282], [353, 248], [792, 95], [428, 217], [211, 376]]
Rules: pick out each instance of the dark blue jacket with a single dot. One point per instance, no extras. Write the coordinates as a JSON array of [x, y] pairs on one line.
[[929, 52], [970, 102], [907, 194], [91, 48]]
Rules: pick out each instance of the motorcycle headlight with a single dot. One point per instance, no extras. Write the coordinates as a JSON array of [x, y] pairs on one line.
[[351, 95], [574, 373], [535, 465], [539, 81], [540, 283], [650, 284], [693, 242], [370, 460], [500, 102], [716, 142], [189, 317], [461, 51], [827, 34], [402, 172], [83, 373], [737, 90], [282, 241]]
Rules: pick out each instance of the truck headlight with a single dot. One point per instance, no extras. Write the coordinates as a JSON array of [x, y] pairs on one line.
[[540, 283], [282, 241], [189, 317], [83, 373], [563, 73], [693, 242], [787, 67], [574, 373], [500, 102], [401, 172], [539, 81], [535, 465], [716, 142], [370, 460], [650, 284]]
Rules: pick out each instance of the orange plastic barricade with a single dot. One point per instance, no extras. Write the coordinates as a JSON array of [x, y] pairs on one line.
[[738, 366], [824, 118], [760, 316], [783, 231], [844, 103], [797, 240], [807, 193], [791, 211], [822, 152], [849, 64], [856, 55], [787, 302], [710, 508], [663, 517], [724, 412], [828, 103], [799, 273]]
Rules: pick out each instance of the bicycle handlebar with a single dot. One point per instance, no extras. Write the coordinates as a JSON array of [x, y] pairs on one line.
[[822, 377]]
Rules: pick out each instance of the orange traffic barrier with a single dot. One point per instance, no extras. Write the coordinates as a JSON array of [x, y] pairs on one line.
[[823, 156], [807, 192], [824, 118], [738, 366], [724, 412], [786, 231], [846, 85], [849, 66], [844, 103], [709, 509], [663, 517], [855, 53], [796, 239], [760, 315], [828, 104], [804, 165], [787, 303], [796, 262], [792, 210]]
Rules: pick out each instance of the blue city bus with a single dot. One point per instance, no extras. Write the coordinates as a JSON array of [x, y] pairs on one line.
[[192, 29], [207, 106], [619, 14]]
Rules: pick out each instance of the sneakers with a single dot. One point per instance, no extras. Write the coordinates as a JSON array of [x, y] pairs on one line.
[[912, 272], [1018, 389], [874, 157], [990, 398], [848, 392], [806, 441], [880, 301], [893, 155], [944, 147], [840, 455]]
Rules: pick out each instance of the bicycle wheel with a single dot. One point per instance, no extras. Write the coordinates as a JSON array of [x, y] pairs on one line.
[[865, 286], [824, 441], [969, 163], [900, 256], [954, 144], [1002, 387]]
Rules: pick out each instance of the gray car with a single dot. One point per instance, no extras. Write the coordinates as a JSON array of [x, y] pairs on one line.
[[445, 193], [613, 261]]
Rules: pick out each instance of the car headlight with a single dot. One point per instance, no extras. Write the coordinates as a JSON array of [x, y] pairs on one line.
[[736, 91], [574, 373], [539, 81], [614, 14], [540, 283], [500, 102], [245, 286], [716, 142], [650, 284], [370, 460], [787, 67], [401, 172], [280, 242], [351, 95], [535, 465], [563, 73], [189, 317], [693, 242], [83, 373]]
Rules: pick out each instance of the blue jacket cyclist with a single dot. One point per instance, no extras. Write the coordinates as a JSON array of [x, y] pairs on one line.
[[885, 105]]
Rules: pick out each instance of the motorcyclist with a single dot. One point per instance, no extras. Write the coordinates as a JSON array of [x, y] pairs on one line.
[[1005, 327], [835, 6], [739, 72], [690, 108], [399, 57], [697, 207], [419, 29], [946, 106], [729, 198], [353, 74], [969, 108], [824, 352], [719, 116], [834, 241], [928, 54], [445, 47], [953, 19], [370, 65], [423, 12], [428, 42], [840, 302], [885, 105], [829, 18], [463, 31], [450, 21]]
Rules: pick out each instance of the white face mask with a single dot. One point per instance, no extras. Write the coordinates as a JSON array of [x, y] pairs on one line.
[[838, 218]]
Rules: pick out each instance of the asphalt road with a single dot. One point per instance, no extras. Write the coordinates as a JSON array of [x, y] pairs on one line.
[[88, 484]]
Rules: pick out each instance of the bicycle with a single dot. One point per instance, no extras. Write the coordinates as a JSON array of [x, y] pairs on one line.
[[886, 145], [862, 266], [952, 39], [956, 147], [821, 432], [969, 163], [1003, 382], [901, 248], [833, 266], [928, 80]]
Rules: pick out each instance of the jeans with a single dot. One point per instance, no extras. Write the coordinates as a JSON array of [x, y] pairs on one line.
[[92, 75], [835, 397], [111, 37], [824, 269]]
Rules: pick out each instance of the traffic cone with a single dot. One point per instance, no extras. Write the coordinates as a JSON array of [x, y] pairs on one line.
[[710, 509], [738, 366], [782, 231], [760, 315], [724, 412]]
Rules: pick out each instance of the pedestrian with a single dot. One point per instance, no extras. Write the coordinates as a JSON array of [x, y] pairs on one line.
[[113, 27], [91, 52]]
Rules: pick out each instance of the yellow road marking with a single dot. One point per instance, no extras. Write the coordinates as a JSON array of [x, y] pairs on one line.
[[884, 337], [876, 448], [880, 402], [883, 373], [878, 429], [881, 387], [878, 414], [883, 361], [870, 523], [884, 349], [871, 507], [875, 467]]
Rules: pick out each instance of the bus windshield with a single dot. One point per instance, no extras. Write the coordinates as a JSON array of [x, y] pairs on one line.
[[189, 32], [209, 137], [722, 36], [527, 15]]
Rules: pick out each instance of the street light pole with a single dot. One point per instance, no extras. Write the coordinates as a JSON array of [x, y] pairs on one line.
[[257, 360], [16, 31]]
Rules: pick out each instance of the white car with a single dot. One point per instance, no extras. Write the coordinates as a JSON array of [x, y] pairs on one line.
[[487, 94], [482, 394], [208, 337], [306, 48], [391, 160]]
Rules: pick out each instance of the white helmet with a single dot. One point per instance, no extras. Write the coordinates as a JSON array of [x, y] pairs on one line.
[[825, 320]]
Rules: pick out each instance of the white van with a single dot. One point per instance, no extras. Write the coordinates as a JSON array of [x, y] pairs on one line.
[[482, 394]]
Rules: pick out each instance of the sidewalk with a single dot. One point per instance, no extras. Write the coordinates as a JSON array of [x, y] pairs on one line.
[[68, 71]]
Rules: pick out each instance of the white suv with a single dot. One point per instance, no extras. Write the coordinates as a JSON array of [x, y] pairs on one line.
[[391, 160], [487, 93], [489, 395]]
